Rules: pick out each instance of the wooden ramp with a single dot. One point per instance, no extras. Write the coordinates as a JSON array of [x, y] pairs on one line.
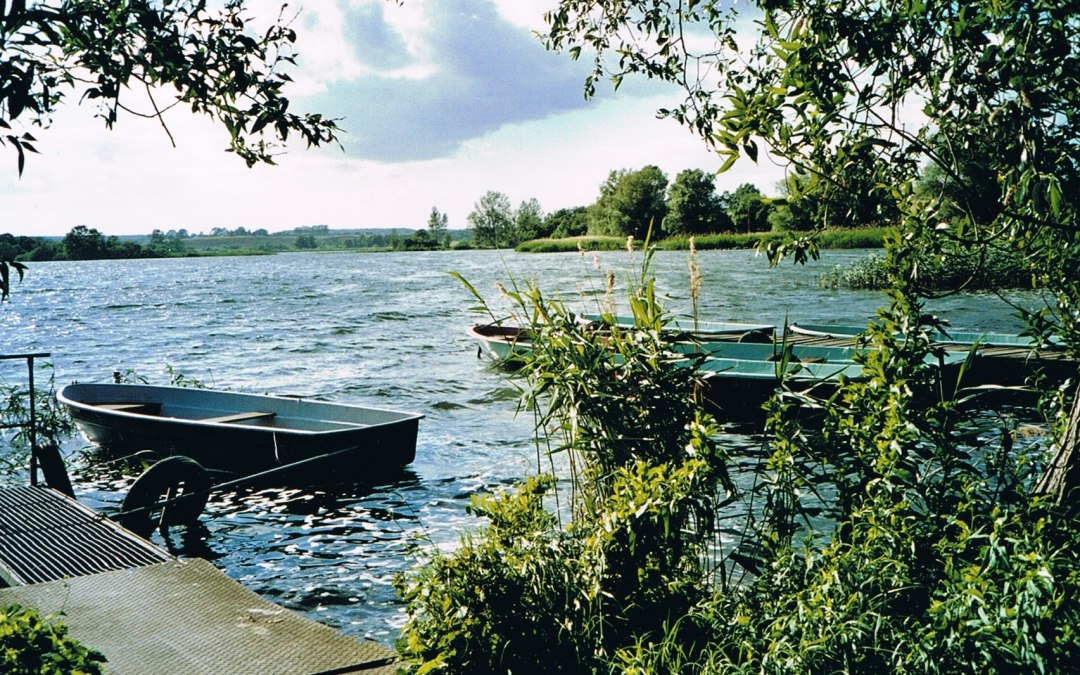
[[151, 613]]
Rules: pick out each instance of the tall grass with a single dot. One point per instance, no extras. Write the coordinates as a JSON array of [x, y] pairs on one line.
[[569, 244]]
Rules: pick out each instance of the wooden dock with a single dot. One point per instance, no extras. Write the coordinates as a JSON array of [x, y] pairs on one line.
[[149, 612]]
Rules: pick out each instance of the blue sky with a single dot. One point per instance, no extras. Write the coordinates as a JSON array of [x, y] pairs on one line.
[[442, 100]]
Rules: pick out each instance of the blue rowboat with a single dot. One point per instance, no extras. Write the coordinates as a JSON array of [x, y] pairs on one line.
[[949, 338], [241, 433]]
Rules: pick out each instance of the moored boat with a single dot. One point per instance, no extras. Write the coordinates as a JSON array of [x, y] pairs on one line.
[[739, 387], [947, 337], [242, 433], [501, 341], [702, 330]]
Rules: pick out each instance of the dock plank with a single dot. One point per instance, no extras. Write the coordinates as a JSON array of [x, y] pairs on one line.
[[188, 617]]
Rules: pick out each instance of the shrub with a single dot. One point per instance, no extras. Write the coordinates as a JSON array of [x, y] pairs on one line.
[[30, 645], [946, 271], [634, 555]]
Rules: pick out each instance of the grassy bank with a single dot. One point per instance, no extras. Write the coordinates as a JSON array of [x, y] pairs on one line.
[[587, 243], [835, 239]]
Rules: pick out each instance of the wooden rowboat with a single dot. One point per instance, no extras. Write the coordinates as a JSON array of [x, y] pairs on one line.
[[501, 342], [241, 433]]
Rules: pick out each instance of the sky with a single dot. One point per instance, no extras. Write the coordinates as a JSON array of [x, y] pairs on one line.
[[441, 101]]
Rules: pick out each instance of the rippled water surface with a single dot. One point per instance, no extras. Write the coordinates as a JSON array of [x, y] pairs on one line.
[[386, 330]]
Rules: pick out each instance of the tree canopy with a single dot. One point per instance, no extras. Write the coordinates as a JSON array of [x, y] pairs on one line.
[[693, 205], [492, 220], [630, 203], [147, 58]]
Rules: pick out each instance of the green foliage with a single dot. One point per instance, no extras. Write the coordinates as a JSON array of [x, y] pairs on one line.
[[306, 241], [747, 208], [529, 222], [491, 221], [215, 64], [437, 228], [868, 273], [704, 242], [829, 87], [636, 552], [514, 595], [947, 271], [854, 194], [572, 222], [901, 536], [51, 420], [630, 203], [162, 245], [904, 533], [827, 239], [30, 645], [694, 207]]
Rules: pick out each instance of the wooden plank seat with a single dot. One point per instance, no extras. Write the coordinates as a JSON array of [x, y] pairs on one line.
[[145, 408], [240, 417]]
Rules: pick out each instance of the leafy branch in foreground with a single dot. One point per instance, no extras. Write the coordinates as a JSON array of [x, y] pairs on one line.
[[171, 53], [6, 266], [906, 534], [823, 85]]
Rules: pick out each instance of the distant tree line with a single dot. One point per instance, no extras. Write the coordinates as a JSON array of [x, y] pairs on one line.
[[87, 243], [632, 201]]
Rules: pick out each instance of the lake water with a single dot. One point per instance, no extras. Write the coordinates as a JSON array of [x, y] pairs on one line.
[[386, 330]]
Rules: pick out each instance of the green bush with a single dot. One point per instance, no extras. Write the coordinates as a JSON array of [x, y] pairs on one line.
[[867, 237], [948, 270], [30, 645], [529, 589]]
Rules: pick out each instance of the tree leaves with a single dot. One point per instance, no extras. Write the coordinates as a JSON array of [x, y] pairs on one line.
[[5, 276], [216, 66]]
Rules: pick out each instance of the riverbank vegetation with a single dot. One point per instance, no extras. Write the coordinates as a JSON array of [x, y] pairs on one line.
[[950, 270], [31, 645], [903, 531]]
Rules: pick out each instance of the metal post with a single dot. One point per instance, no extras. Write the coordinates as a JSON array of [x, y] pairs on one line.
[[33, 423]]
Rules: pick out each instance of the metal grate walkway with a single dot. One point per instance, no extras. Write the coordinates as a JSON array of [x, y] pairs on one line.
[[149, 613], [44, 536]]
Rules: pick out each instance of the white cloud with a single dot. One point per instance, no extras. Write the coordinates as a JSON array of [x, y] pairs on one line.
[[540, 145], [525, 13]]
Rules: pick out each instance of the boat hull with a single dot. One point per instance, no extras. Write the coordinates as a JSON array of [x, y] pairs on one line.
[[277, 432]]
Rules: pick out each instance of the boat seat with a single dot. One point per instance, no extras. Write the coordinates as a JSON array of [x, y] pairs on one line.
[[146, 408], [239, 417]]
